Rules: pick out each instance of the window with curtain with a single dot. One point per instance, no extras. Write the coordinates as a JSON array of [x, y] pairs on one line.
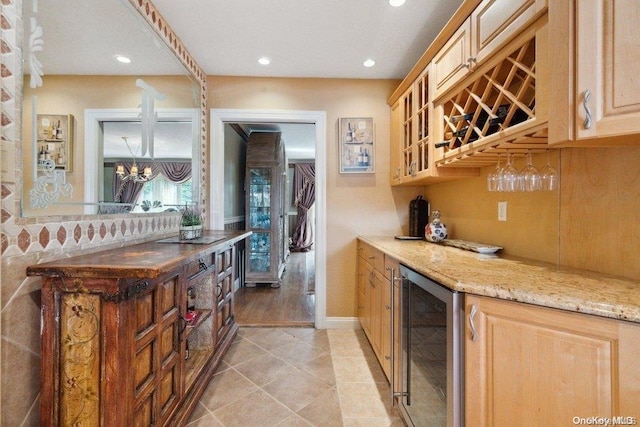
[[171, 194]]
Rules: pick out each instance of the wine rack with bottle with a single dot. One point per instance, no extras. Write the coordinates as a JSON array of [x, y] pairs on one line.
[[496, 110]]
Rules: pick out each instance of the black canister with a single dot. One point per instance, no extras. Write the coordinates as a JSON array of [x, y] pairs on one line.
[[418, 216]]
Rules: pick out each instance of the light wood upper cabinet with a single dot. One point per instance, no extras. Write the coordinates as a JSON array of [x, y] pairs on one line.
[[412, 151], [602, 100], [492, 24], [452, 62], [546, 365]]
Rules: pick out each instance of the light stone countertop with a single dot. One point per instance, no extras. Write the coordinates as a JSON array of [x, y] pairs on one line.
[[517, 279]]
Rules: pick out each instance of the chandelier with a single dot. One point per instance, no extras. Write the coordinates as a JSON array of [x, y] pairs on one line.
[[134, 173]]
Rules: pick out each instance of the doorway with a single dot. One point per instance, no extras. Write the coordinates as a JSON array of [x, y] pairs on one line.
[[221, 117]]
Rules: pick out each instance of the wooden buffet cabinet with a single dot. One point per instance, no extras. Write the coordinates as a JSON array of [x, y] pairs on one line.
[[116, 347]]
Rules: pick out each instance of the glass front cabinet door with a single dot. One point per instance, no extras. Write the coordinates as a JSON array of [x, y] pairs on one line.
[[260, 220], [264, 263]]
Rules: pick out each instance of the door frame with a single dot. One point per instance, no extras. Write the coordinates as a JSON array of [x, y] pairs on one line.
[[218, 118]]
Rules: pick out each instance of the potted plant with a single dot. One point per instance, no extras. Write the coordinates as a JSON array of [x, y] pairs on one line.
[[190, 223]]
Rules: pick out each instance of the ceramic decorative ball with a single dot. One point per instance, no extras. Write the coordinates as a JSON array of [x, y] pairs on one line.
[[435, 231]]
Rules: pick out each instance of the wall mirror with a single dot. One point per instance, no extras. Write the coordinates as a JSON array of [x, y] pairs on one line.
[[81, 103]]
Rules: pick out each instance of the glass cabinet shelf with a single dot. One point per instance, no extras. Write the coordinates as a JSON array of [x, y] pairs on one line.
[[264, 204]]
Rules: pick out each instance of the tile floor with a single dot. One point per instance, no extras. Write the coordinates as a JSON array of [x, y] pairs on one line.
[[297, 377]]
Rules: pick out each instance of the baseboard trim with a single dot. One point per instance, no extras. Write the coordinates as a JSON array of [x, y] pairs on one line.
[[342, 323]]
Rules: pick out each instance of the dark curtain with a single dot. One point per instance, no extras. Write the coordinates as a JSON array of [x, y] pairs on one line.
[[304, 190], [177, 172]]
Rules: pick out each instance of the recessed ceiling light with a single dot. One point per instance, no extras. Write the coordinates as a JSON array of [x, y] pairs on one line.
[[396, 3], [264, 61], [369, 63], [123, 59]]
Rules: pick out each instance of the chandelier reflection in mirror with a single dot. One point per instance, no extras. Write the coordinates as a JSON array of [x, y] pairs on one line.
[[134, 174]]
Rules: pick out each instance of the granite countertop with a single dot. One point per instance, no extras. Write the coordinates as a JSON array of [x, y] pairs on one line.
[[517, 279], [143, 260]]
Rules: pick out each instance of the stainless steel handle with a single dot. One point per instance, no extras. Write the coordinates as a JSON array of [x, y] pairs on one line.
[[393, 336], [587, 110], [472, 326]]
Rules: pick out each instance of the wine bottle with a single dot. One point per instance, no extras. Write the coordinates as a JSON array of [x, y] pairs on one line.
[[349, 133], [447, 143], [191, 299], [360, 160], [365, 159], [461, 117], [58, 131]]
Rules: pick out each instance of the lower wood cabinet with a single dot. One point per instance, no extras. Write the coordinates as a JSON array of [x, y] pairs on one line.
[[529, 365], [121, 343], [374, 301]]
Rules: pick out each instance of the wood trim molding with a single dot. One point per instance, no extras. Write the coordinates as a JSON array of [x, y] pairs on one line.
[[463, 12], [162, 28]]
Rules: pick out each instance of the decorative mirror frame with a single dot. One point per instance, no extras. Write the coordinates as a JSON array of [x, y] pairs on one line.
[[28, 235]]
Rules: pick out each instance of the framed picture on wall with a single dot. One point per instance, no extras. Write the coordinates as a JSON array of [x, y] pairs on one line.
[[357, 151], [55, 140]]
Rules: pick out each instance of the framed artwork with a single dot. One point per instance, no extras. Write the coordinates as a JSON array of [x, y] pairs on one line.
[[55, 141], [357, 153]]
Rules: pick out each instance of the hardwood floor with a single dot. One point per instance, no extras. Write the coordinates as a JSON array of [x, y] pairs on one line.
[[292, 304]]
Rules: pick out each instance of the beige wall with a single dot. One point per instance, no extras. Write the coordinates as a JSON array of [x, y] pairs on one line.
[[356, 204], [592, 222], [470, 212]]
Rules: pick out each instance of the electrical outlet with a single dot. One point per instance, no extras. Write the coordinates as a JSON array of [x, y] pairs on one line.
[[502, 211]]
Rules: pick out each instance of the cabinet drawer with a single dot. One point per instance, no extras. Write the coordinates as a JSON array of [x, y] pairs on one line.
[[389, 264], [224, 259], [372, 255], [197, 266]]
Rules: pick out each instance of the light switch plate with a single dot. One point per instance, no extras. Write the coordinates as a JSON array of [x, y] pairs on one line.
[[502, 211]]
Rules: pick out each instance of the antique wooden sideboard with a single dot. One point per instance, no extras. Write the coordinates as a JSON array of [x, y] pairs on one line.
[[132, 336]]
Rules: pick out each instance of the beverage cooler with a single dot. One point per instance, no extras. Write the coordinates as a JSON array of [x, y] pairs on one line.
[[431, 353]]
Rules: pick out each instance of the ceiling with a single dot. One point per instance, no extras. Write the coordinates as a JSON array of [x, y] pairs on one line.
[[307, 38]]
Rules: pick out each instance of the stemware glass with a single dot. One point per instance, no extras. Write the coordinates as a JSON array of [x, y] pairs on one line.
[[531, 180], [549, 176], [509, 176], [493, 178]]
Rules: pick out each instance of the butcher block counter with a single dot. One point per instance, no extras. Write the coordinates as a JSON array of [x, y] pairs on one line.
[[516, 279], [132, 335]]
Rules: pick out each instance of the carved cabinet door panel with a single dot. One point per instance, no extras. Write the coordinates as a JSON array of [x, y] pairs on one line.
[[157, 363]]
